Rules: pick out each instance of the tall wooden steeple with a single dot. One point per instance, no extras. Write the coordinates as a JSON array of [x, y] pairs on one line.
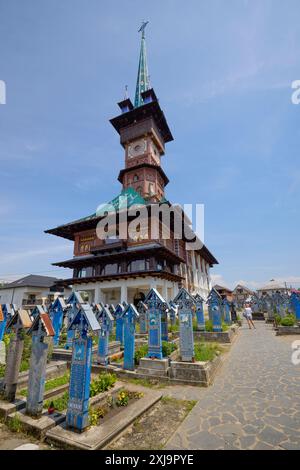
[[144, 132]]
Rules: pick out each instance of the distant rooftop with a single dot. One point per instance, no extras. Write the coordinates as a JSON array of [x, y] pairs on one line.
[[32, 280], [273, 285], [218, 287]]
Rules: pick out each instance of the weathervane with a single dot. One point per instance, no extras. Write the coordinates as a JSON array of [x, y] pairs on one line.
[[142, 28]]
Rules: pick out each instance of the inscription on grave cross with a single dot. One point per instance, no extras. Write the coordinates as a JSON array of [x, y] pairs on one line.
[[40, 329], [79, 388], [105, 319], [143, 313], [295, 304], [130, 316], [74, 303], [56, 313], [199, 312], [18, 324], [119, 323], [156, 306], [214, 301], [227, 315], [186, 304]]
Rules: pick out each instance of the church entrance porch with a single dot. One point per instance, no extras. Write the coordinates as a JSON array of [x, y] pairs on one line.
[[129, 290]]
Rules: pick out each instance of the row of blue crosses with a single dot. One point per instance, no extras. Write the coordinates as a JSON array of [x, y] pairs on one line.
[[277, 302]]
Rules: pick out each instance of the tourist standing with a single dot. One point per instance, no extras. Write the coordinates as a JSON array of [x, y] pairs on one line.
[[248, 315]]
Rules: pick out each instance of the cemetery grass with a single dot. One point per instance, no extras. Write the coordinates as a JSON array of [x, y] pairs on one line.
[[25, 356], [99, 414], [51, 384], [207, 351], [153, 430], [100, 384]]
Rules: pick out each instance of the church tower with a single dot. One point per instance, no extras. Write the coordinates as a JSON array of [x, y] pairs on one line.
[[143, 133]]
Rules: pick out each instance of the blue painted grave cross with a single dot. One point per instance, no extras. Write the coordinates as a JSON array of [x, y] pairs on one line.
[[119, 323], [37, 310], [130, 316], [227, 314], [112, 310], [254, 303], [40, 329], [8, 311], [156, 307], [74, 303], [199, 312], [143, 313], [84, 322], [106, 321], [173, 313], [214, 301], [276, 301], [186, 305], [56, 312], [3, 321], [164, 324], [295, 304], [19, 323], [284, 305]]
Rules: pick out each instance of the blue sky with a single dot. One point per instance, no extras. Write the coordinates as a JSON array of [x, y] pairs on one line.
[[222, 70]]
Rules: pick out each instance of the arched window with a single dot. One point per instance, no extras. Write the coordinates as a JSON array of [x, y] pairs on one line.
[[135, 178]]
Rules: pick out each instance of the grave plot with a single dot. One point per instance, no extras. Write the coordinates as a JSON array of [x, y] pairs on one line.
[[108, 419], [56, 399], [155, 427]]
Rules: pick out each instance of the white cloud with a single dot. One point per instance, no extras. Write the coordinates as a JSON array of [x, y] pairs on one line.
[[218, 279]]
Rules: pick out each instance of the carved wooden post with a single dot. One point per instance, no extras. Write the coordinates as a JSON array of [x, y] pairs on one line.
[[56, 313], [74, 303], [79, 389], [199, 312], [119, 323], [214, 301], [156, 305], [143, 314], [130, 317], [105, 320], [186, 303], [20, 322], [39, 330]]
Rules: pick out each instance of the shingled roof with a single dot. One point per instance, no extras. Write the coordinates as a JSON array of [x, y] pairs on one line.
[[32, 281]]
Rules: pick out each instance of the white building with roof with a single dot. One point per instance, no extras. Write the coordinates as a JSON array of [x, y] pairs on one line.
[[33, 290]]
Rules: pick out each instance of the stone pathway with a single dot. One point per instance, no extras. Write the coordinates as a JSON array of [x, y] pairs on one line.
[[254, 402]]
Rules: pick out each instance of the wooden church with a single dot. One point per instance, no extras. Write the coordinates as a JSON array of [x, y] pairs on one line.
[[124, 264]]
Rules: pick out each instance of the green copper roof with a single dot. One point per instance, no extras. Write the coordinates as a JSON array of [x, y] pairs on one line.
[[126, 199], [142, 83]]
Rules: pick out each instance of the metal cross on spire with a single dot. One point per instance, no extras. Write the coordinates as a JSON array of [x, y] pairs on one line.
[[143, 27], [142, 83]]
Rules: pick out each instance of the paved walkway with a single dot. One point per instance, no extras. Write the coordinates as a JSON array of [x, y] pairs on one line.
[[254, 402]]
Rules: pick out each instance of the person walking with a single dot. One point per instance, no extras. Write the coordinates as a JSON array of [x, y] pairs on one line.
[[248, 315]]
